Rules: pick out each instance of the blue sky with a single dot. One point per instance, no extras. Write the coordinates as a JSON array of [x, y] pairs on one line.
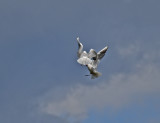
[[40, 80]]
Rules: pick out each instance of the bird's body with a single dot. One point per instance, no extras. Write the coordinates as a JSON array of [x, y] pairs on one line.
[[91, 59]]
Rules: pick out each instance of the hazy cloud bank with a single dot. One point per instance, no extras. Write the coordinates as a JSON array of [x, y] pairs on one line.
[[122, 89]]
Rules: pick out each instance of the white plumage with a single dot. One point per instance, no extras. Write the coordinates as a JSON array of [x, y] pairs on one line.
[[83, 58], [91, 59], [94, 73]]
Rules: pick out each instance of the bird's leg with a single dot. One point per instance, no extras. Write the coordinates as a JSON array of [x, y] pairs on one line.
[[87, 75]]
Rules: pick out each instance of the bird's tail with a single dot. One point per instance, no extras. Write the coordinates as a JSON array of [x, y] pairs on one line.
[[96, 75]]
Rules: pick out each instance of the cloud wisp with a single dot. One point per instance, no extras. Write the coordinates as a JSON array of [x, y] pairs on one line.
[[118, 92]]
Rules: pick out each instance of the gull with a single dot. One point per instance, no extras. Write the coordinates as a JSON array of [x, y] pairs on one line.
[[91, 59]]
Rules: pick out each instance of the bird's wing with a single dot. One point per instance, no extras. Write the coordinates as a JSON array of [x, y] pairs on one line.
[[92, 53], [102, 52], [79, 43], [80, 47], [84, 61], [94, 57]]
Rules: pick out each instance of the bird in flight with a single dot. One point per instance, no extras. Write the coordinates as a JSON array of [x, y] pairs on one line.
[[91, 59]]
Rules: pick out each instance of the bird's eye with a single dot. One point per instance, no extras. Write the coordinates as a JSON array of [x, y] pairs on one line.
[[93, 58]]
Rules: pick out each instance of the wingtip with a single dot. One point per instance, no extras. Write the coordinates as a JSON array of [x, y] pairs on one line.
[[77, 38]]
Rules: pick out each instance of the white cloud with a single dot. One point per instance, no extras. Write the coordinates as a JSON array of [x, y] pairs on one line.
[[121, 90], [130, 50]]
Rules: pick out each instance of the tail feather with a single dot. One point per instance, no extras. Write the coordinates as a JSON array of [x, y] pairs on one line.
[[96, 75]]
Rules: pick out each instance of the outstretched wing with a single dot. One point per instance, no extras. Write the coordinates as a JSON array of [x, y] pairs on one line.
[[80, 47], [102, 52]]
